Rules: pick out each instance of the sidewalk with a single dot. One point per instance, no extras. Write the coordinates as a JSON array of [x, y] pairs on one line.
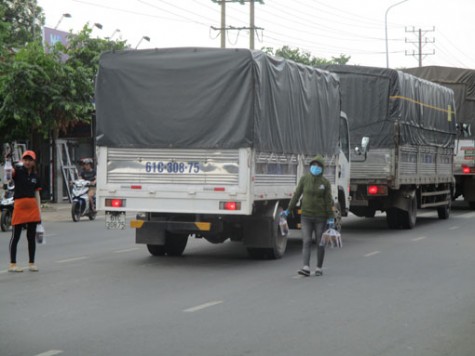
[[57, 212]]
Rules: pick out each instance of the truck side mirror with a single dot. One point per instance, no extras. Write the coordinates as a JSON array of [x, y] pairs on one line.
[[364, 147], [467, 130]]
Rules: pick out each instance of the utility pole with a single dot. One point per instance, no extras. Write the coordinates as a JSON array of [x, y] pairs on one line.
[[251, 24], [252, 28], [420, 43], [223, 24]]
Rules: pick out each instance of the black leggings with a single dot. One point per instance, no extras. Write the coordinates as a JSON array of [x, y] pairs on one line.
[[30, 235]]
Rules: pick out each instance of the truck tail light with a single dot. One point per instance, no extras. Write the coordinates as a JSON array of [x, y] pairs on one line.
[[230, 205], [377, 190], [115, 203], [467, 169]]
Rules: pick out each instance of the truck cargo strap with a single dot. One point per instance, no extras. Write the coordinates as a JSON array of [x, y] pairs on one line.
[[173, 226]]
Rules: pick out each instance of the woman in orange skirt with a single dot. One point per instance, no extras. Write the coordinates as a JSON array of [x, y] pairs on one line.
[[26, 211]]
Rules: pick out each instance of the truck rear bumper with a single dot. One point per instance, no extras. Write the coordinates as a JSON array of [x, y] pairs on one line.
[[153, 232]]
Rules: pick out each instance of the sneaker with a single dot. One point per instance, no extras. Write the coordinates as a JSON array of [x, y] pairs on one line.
[[33, 268], [14, 268], [304, 271], [318, 272]]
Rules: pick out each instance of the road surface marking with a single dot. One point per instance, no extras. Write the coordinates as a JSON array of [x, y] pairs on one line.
[[202, 306], [454, 227], [419, 238], [4, 271], [372, 253], [50, 353], [72, 259], [127, 250]]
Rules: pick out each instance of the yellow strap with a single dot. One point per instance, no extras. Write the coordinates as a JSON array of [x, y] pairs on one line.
[[449, 111]]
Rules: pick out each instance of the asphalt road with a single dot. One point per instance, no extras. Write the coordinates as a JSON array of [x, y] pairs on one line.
[[386, 292]]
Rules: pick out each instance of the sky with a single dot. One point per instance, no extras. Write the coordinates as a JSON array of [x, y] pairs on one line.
[[324, 28]]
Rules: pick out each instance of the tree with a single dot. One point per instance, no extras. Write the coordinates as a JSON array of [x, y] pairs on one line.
[[304, 57], [83, 53], [43, 94], [25, 19]]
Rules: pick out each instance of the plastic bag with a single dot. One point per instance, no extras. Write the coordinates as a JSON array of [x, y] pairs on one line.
[[40, 231], [283, 226], [331, 238]]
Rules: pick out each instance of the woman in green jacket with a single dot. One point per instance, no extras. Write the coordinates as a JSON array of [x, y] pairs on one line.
[[317, 211]]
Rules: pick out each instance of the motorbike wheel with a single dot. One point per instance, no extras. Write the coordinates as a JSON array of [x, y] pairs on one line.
[[6, 220], [75, 211], [92, 215]]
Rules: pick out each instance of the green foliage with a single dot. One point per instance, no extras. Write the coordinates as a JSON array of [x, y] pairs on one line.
[[25, 19], [41, 93], [304, 57]]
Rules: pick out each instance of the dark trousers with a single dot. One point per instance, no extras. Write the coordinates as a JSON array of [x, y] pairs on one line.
[[30, 235], [312, 225]]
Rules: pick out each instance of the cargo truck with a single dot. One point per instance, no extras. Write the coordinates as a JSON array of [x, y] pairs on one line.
[[403, 132], [462, 82], [210, 143]]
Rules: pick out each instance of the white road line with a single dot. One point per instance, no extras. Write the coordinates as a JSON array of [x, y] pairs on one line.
[[467, 215], [372, 253], [3, 271], [297, 277], [419, 238], [202, 306], [50, 353], [72, 259], [454, 227], [127, 250]]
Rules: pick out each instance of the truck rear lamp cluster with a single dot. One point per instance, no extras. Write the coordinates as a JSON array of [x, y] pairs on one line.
[[377, 190], [115, 203], [466, 169], [230, 205]]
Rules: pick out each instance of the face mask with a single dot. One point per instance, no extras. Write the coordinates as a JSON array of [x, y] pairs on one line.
[[315, 170]]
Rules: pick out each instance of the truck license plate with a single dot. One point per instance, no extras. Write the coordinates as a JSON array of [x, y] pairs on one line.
[[115, 220]]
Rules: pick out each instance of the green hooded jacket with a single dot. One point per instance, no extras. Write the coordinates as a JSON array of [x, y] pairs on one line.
[[316, 191]]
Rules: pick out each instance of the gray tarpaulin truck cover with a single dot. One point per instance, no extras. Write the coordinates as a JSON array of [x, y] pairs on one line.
[[211, 98], [375, 99], [461, 81]]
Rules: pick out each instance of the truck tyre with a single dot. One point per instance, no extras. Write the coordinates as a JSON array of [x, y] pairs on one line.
[[175, 243], [471, 204], [156, 250], [409, 217], [392, 218], [444, 211], [278, 242], [257, 253]]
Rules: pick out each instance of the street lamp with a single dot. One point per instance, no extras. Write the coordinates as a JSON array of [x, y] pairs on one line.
[[99, 26], [61, 19], [386, 28], [113, 33], [146, 38]]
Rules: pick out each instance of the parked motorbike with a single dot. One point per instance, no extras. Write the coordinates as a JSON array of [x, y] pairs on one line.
[[80, 200], [6, 207]]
